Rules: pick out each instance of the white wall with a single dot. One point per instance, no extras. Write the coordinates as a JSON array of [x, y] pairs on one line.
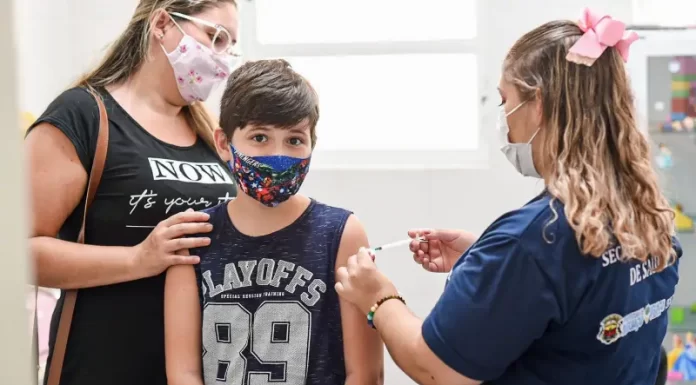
[[58, 39], [14, 365], [387, 202]]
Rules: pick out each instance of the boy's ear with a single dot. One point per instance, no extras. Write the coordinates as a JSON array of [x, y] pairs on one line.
[[222, 144]]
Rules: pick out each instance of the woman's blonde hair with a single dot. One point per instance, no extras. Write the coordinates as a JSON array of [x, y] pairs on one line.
[[130, 50], [597, 161]]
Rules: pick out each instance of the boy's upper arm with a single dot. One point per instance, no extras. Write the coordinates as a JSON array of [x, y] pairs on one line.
[[362, 347], [182, 322], [352, 239]]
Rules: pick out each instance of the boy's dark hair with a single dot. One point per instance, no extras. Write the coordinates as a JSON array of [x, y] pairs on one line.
[[268, 92]]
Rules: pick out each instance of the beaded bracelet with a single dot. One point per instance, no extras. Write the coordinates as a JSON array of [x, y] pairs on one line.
[[373, 309]]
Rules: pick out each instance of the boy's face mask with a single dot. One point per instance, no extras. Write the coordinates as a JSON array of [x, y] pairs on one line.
[[270, 180]]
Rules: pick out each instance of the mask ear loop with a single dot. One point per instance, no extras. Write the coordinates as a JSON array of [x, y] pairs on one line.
[[535, 134], [515, 109], [177, 24], [179, 28]]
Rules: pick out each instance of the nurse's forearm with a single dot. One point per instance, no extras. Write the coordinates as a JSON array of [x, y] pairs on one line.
[[401, 332]]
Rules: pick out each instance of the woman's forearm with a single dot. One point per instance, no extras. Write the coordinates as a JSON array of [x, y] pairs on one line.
[[402, 339], [69, 265]]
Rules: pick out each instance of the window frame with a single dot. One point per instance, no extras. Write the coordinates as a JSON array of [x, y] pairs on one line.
[[642, 14], [654, 44], [478, 158]]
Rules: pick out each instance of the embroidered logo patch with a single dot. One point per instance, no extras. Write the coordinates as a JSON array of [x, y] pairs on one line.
[[610, 329], [615, 326]]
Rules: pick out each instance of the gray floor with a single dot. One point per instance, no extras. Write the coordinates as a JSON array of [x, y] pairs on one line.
[[680, 185]]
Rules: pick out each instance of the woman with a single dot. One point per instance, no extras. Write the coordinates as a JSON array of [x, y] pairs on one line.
[[572, 288], [159, 164]]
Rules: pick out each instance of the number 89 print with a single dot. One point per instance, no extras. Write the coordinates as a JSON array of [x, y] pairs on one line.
[[278, 335]]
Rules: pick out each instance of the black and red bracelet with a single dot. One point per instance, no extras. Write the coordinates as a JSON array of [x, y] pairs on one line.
[[373, 309]]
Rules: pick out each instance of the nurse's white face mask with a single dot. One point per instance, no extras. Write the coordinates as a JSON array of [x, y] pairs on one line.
[[519, 154]]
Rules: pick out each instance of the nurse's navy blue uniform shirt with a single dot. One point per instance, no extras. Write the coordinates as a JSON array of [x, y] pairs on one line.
[[524, 306]]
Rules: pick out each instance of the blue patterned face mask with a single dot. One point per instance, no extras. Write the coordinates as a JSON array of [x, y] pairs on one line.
[[270, 180]]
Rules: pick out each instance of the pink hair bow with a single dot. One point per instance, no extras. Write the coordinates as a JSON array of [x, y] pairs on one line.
[[601, 31]]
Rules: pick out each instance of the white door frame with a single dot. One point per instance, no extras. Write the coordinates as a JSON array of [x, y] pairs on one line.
[[14, 333]]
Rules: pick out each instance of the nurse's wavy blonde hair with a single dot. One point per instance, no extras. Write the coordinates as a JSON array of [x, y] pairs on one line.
[[597, 162], [130, 50]]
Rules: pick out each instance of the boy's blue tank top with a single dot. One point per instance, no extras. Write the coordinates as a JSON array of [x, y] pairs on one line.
[[269, 311]]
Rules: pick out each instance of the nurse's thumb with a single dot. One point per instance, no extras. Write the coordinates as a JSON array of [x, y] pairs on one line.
[[444, 235], [415, 233]]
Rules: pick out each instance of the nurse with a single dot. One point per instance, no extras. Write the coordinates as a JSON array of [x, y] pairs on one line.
[[573, 287]]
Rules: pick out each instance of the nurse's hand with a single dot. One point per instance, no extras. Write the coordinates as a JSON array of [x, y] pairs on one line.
[[442, 249], [360, 283]]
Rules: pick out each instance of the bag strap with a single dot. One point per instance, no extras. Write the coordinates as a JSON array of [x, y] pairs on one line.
[[70, 299]]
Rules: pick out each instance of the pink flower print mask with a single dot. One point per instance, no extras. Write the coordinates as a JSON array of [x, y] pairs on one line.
[[198, 70]]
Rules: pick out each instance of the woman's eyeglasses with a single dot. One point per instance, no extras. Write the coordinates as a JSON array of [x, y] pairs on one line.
[[221, 41]]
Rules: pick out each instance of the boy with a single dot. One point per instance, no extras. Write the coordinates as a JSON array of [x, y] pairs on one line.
[[260, 305]]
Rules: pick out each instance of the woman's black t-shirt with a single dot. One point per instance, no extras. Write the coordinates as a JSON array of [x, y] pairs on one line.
[[117, 335]]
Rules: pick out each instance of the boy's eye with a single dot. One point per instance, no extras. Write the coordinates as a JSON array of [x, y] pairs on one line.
[[295, 141], [260, 138]]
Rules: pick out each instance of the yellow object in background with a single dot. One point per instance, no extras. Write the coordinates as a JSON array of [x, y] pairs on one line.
[[26, 119], [680, 85], [677, 349], [682, 221], [672, 357]]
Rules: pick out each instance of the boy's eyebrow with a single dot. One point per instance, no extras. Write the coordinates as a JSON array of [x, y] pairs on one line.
[[259, 128], [297, 130]]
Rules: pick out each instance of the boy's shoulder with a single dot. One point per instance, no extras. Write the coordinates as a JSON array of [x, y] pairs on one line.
[[316, 210], [324, 215], [216, 212], [318, 216], [218, 216], [325, 208]]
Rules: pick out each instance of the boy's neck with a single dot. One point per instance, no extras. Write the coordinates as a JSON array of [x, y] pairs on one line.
[[254, 219]]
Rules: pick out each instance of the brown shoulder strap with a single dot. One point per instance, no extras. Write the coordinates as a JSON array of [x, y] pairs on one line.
[[70, 299]]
